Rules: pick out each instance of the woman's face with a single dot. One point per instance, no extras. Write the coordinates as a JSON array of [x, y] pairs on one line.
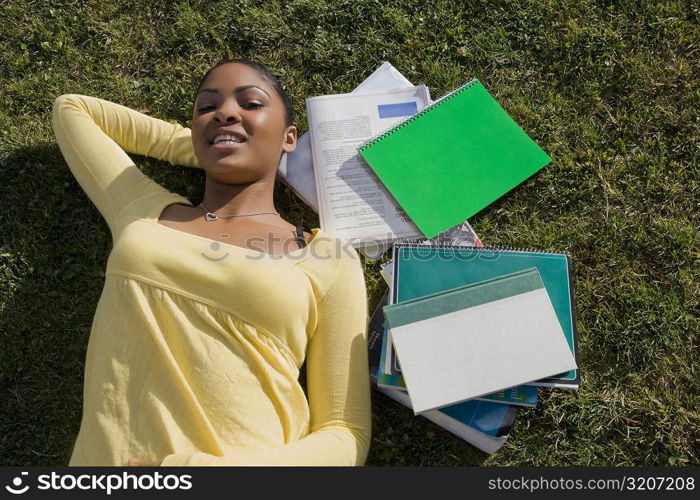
[[238, 126]]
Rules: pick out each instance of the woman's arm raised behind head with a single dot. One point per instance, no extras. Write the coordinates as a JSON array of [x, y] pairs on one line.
[[95, 135]]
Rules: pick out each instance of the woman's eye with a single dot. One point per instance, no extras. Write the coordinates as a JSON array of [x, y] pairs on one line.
[[247, 105]]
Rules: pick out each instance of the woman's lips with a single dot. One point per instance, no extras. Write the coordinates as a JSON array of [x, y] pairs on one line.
[[226, 146]]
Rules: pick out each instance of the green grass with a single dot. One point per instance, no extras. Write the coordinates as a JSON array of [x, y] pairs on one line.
[[609, 89]]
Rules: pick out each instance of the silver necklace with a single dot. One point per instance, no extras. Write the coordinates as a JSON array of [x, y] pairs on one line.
[[210, 216]]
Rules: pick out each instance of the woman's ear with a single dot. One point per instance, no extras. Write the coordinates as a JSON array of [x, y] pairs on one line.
[[290, 139]]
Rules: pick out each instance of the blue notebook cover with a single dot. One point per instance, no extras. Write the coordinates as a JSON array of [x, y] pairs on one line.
[[524, 395], [494, 419]]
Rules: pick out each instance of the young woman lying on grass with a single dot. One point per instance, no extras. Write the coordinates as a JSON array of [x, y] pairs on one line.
[[209, 310]]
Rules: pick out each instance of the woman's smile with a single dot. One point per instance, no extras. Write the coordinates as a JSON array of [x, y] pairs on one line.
[[226, 140]]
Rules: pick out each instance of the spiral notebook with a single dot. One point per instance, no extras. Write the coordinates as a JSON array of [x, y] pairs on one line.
[[453, 158], [420, 271]]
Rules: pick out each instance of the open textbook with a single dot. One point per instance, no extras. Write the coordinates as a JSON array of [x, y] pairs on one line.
[[296, 168], [353, 203]]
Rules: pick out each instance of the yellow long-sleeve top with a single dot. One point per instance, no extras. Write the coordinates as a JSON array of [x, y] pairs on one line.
[[195, 349]]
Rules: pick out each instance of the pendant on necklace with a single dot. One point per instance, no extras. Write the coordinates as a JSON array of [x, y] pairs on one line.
[[210, 216]]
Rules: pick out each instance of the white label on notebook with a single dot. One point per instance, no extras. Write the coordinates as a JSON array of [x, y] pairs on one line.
[[480, 350]]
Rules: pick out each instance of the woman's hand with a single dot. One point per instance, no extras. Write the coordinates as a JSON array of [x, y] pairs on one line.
[[138, 462]]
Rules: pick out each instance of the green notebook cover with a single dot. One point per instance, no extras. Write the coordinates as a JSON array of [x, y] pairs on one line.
[[420, 271], [453, 158]]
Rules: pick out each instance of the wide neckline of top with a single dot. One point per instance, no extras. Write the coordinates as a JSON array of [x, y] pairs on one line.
[[299, 253]]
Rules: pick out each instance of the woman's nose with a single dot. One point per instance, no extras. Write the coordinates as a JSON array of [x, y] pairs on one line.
[[229, 111]]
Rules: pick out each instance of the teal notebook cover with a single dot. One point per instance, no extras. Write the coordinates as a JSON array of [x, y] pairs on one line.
[[421, 271], [453, 158], [449, 300], [387, 380]]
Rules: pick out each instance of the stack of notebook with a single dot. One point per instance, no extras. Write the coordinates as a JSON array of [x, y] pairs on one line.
[[468, 322], [485, 328], [467, 334]]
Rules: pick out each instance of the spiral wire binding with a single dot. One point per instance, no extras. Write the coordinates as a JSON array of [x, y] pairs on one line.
[[433, 105], [420, 243]]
